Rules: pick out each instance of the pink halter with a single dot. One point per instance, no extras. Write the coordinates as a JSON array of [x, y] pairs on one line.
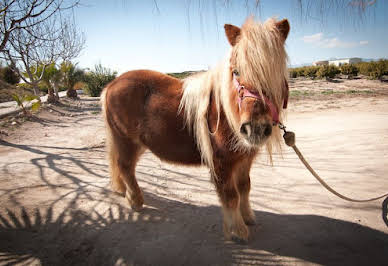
[[245, 93]]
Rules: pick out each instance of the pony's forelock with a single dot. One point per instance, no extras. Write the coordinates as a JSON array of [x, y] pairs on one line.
[[261, 59]]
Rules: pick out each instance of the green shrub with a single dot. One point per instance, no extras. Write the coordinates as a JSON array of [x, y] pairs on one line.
[[24, 86], [181, 75], [328, 71], [311, 71], [297, 72], [293, 73], [364, 68], [9, 75], [71, 74], [349, 69], [43, 87], [374, 70], [97, 79], [300, 71], [378, 69]]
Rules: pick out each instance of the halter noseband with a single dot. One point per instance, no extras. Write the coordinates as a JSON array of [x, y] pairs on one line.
[[245, 93]]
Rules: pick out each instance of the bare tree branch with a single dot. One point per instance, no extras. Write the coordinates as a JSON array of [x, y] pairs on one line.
[[25, 14], [53, 41]]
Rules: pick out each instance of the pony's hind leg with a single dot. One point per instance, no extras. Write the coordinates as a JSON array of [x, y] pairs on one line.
[[124, 155], [117, 182]]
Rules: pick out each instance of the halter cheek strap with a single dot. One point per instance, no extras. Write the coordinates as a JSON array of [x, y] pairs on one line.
[[245, 93]]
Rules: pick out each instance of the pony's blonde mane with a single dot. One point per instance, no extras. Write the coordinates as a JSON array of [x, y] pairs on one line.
[[260, 58]]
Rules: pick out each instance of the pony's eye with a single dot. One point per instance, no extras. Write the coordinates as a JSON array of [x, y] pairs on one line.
[[235, 72]]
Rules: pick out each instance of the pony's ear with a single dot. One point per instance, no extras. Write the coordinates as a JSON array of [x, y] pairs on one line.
[[232, 32], [284, 27]]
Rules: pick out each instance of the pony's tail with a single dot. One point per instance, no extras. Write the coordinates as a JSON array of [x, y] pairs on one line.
[[116, 181]]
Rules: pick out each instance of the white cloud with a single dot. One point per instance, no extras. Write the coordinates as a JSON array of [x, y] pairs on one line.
[[313, 38], [319, 40], [335, 43]]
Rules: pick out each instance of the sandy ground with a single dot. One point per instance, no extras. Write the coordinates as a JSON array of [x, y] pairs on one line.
[[56, 206]]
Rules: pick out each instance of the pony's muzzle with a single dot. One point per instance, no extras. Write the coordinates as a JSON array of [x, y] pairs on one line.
[[255, 131]]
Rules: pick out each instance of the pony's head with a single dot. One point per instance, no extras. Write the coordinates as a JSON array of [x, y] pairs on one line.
[[251, 88], [257, 90]]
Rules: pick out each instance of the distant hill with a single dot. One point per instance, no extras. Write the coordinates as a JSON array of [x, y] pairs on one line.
[[299, 65], [184, 74]]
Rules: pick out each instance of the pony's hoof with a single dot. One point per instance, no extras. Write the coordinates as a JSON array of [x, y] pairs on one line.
[[238, 240], [121, 192], [250, 221], [238, 235], [135, 203], [136, 208]]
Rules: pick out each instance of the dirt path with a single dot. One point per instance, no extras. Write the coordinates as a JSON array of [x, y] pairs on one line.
[[56, 207]]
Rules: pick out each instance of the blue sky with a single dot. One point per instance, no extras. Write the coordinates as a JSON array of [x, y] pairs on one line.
[[175, 35]]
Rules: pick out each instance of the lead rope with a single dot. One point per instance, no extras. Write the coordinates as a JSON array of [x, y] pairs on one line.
[[289, 138]]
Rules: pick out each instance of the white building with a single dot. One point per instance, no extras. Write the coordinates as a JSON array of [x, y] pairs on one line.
[[339, 62], [321, 63]]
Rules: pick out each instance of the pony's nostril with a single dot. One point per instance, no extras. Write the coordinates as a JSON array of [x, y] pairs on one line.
[[259, 130], [267, 130], [263, 130], [246, 129]]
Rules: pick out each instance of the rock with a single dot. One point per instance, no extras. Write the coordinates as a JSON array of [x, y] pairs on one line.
[[14, 123]]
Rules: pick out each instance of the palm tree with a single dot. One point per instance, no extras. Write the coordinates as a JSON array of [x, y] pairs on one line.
[[71, 76], [51, 77]]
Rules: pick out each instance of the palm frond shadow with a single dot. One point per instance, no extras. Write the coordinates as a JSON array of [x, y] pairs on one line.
[[169, 232], [166, 232]]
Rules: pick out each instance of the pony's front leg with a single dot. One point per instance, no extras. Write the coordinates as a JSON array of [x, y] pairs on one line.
[[244, 187], [234, 226]]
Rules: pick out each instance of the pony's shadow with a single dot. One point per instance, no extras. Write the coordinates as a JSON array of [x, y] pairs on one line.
[[169, 232]]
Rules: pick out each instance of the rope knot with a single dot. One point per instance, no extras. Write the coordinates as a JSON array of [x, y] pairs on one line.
[[289, 138]]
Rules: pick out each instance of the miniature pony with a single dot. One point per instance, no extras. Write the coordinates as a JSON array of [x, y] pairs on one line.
[[220, 118]]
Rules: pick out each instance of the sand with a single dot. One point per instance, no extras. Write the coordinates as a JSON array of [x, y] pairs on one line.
[[57, 208]]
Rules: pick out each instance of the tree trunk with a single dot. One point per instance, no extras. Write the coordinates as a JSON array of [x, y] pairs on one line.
[[51, 97], [36, 89], [71, 93], [56, 89]]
